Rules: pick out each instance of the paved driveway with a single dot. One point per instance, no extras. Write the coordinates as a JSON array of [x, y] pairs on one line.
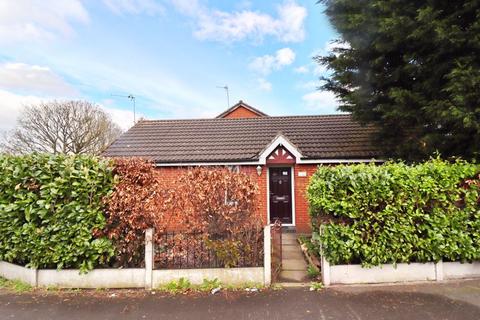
[[453, 300]]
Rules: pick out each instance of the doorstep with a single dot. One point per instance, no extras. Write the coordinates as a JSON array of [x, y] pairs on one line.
[[294, 266]]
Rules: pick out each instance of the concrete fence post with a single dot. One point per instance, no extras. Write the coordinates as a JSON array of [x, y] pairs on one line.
[[35, 278], [325, 265], [325, 271], [149, 251], [267, 255], [439, 271]]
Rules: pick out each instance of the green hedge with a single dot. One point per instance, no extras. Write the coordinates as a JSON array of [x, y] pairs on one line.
[[396, 213], [49, 208]]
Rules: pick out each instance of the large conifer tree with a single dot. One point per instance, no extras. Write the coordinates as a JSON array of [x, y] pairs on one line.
[[413, 69]]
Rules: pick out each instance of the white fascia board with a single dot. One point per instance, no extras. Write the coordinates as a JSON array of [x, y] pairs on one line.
[[329, 161], [256, 163], [197, 164]]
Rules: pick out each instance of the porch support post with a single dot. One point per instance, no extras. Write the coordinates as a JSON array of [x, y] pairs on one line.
[[149, 258], [267, 255]]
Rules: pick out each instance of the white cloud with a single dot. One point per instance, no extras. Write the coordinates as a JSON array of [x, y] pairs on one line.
[[266, 64], [217, 25], [10, 107], [124, 118], [301, 69], [33, 79], [149, 7], [285, 56], [264, 85], [291, 20], [24, 20], [321, 101], [320, 70]]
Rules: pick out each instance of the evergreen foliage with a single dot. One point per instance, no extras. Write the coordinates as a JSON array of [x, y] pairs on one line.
[[50, 207], [397, 213], [413, 69]]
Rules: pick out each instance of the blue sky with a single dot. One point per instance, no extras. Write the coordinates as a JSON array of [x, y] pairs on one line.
[[171, 54]]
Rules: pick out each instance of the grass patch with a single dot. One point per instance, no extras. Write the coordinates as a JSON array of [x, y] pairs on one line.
[[177, 286], [316, 286], [183, 285], [276, 287], [15, 285], [312, 272], [209, 285]]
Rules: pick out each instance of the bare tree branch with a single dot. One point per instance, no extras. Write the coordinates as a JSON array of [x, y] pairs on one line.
[[70, 127]]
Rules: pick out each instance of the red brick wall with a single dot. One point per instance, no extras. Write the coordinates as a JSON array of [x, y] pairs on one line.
[[302, 219], [241, 112], [262, 189]]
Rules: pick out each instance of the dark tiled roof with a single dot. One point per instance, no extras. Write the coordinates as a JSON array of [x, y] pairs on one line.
[[242, 104], [209, 140]]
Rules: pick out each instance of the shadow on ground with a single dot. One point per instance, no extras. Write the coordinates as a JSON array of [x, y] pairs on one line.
[[396, 302]]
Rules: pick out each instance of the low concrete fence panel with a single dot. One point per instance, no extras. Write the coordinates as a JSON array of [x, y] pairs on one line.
[[456, 270], [348, 274], [402, 272], [13, 272], [146, 277], [99, 278], [233, 276]]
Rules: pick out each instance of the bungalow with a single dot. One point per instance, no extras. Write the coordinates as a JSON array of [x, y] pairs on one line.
[[281, 153]]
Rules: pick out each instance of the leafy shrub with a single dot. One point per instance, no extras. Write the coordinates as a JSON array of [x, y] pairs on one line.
[[213, 202], [50, 205], [136, 204], [312, 247], [312, 272], [227, 251], [397, 213], [60, 211], [221, 206]]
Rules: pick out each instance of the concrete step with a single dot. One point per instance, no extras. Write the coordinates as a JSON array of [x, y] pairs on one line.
[[293, 284], [298, 255], [293, 276], [288, 230], [289, 241], [289, 236], [290, 248], [294, 264]]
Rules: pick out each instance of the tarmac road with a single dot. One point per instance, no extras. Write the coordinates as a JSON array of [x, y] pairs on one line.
[[450, 300]]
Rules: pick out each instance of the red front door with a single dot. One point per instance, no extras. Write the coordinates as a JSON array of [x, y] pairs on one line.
[[280, 185]]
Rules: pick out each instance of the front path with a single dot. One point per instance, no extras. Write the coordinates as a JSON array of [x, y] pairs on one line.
[[453, 300]]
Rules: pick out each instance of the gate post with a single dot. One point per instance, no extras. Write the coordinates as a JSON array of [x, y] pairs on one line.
[[267, 255], [149, 258]]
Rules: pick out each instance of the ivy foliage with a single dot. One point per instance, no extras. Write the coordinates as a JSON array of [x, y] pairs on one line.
[[397, 213], [50, 207]]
